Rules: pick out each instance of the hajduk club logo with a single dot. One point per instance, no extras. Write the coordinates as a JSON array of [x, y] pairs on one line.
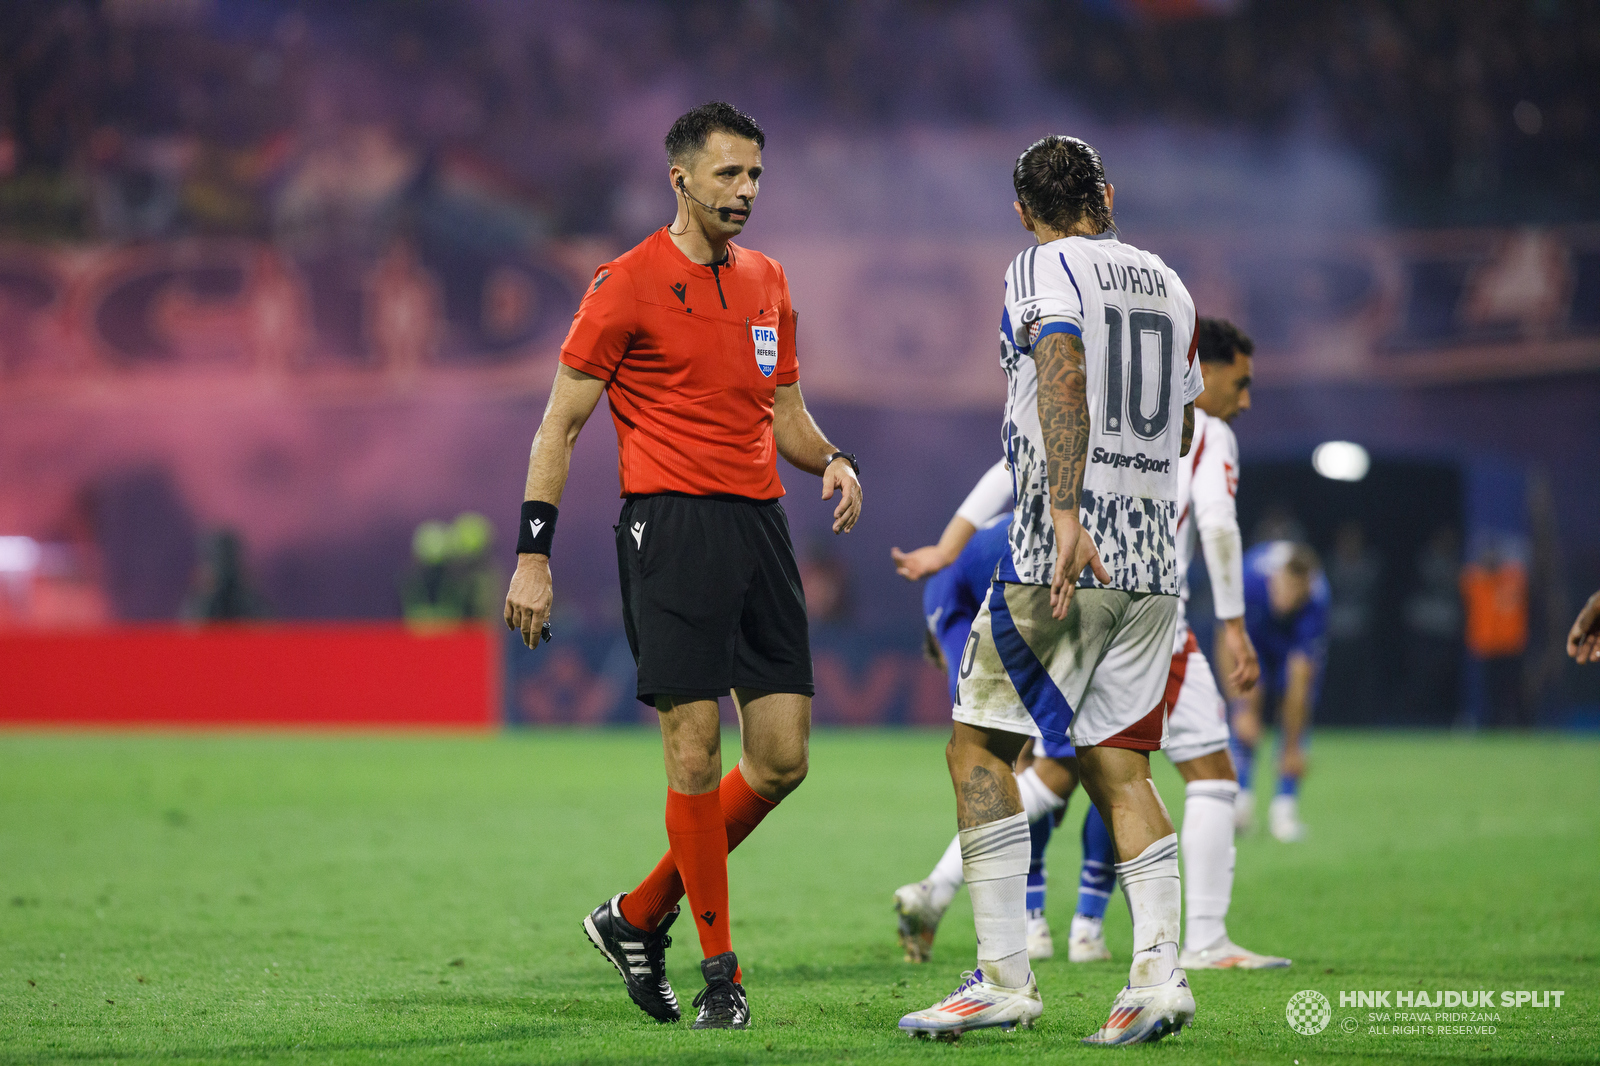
[[1308, 1012]]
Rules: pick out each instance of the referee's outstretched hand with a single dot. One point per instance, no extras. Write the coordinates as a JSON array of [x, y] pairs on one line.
[[529, 598], [839, 475]]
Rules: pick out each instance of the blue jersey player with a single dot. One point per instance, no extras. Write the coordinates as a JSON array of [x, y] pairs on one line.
[[960, 570], [952, 596], [1286, 613]]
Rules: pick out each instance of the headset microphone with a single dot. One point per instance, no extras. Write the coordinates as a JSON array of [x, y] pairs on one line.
[[725, 212]]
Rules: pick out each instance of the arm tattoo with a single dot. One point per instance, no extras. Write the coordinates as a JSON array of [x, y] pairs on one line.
[[1063, 415], [983, 799], [1188, 428]]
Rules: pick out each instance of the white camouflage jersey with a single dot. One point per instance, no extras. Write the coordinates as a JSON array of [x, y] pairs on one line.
[[1208, 484], [1208, 517], [1137, 322]]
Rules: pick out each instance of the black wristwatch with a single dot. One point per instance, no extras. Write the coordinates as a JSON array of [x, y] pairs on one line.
[[845, 455]]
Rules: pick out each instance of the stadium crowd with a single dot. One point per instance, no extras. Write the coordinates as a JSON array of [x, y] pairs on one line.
[[140, 119]]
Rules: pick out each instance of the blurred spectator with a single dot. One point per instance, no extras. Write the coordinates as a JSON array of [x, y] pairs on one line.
[[425, 595], [451, 576], [137, 120], [221, 590], [479, 588], [342, 196], [1455, 104], [1494, 588], [1350, 682], [1433, 631]]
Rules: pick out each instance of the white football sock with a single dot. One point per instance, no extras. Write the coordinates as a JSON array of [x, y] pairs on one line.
[[995, 858], [1037, 799], [1155, 900], [947, 877], [1208, 856]]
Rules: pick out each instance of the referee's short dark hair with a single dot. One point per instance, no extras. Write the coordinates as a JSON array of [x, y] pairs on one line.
[[1221, 339], [688, 135]]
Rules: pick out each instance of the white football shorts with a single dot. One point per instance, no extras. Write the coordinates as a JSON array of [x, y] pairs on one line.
[[1198, 723], [1096, 677]]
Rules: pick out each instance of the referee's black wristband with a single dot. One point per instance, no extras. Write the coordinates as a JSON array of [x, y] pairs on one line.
[[537, 531]]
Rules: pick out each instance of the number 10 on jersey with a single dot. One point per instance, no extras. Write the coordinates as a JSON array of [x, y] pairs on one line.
[[1144, 327]]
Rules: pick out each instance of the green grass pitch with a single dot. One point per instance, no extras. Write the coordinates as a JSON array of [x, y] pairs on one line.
[[417, 899]]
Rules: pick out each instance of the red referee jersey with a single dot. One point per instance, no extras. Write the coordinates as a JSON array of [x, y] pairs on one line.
[[692, 357]]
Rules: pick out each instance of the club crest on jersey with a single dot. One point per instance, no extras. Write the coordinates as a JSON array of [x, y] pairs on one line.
[[766, 342], [1030, 328]]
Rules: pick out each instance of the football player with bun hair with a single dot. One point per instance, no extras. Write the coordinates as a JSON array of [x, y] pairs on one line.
[[1075, 637]]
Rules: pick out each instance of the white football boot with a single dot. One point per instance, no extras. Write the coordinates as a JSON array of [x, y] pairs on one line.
[[1244, 813], [1226, 955], [1146, 1014], [1283, 818], [976, 1004], [1087, 941], [1040, 946], [919, 919]]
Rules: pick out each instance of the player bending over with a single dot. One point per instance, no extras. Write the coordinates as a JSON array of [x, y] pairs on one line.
[[1286, 611], [691, 338], [1075, 635], [962, 566], [1197, 730]]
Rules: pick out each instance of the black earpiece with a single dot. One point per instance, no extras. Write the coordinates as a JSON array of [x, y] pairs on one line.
[[725, 212]]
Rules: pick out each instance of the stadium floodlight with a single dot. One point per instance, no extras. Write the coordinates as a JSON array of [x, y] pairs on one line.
[[18, 555], [1340, 460]]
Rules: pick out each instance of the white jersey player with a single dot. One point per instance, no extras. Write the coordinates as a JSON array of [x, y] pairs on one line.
[[1197, 739], [1098, 346]]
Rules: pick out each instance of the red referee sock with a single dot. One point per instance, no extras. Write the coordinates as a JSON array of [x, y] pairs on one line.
[[742, 810], [700, 844]]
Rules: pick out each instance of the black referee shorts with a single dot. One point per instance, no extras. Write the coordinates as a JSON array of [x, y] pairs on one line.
[[711, 597]]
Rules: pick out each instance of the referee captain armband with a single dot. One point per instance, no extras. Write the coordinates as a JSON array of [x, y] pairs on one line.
[[537, 531]]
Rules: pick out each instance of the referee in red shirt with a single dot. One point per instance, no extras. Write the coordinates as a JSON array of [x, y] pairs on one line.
[[692, 340]]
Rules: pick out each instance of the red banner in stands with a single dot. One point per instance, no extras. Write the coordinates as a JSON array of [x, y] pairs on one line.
[[252, 676]]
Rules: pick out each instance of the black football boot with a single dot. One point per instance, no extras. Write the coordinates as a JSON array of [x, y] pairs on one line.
[[640, 957], [722, 1003]]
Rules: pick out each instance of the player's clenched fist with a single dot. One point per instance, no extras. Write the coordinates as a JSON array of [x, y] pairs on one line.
[[528, 601]]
